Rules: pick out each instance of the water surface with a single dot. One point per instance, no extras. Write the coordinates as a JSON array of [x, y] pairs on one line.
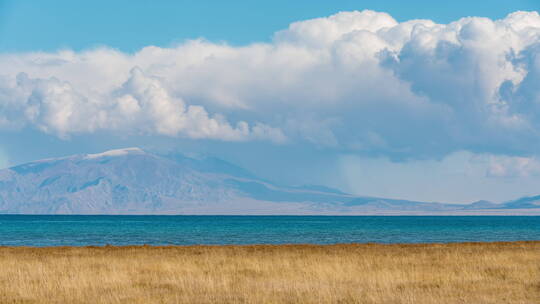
[[83, 230]]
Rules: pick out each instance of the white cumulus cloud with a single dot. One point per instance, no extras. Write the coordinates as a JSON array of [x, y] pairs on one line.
[[355, 81], [140, 105], [508, 167]]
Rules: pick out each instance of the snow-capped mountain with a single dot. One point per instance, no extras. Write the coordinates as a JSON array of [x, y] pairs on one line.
[[133, 181]]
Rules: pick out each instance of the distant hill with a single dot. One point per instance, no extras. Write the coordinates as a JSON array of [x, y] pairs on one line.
[[531, 202], [133, 181]]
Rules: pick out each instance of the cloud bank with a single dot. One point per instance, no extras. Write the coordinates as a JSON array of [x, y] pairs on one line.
[[358, 82]]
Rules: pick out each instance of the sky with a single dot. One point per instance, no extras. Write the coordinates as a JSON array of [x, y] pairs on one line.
[[415, 100]]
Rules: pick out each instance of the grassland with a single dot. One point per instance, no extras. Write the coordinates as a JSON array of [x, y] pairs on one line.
[[368, 273]]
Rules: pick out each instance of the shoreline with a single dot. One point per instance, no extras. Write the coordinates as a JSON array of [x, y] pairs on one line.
[[480, 213], [147, 246]]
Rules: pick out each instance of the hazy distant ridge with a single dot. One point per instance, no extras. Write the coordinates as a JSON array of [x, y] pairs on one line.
[[133, 181]]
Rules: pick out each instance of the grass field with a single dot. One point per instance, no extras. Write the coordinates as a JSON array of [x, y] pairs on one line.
[[368, 273]]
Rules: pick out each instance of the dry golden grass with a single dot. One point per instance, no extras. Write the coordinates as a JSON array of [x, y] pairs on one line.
[[436, 273]]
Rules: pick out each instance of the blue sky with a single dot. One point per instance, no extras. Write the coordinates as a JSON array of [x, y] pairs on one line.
[[349, 94], [30, 25]]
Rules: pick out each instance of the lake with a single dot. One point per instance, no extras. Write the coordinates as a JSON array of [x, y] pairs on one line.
[[84, 230]]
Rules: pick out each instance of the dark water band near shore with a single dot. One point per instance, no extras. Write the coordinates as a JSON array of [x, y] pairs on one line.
[[85, 230]]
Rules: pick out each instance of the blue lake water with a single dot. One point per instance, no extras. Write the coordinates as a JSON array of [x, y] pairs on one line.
[[78, 230]]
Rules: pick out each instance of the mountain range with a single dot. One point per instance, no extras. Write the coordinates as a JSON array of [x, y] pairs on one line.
[[134, 181]]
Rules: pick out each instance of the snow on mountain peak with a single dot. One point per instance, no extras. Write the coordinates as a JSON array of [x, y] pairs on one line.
[[118, 152]]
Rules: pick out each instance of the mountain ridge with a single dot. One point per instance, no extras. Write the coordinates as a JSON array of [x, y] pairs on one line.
[[135, 181]]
